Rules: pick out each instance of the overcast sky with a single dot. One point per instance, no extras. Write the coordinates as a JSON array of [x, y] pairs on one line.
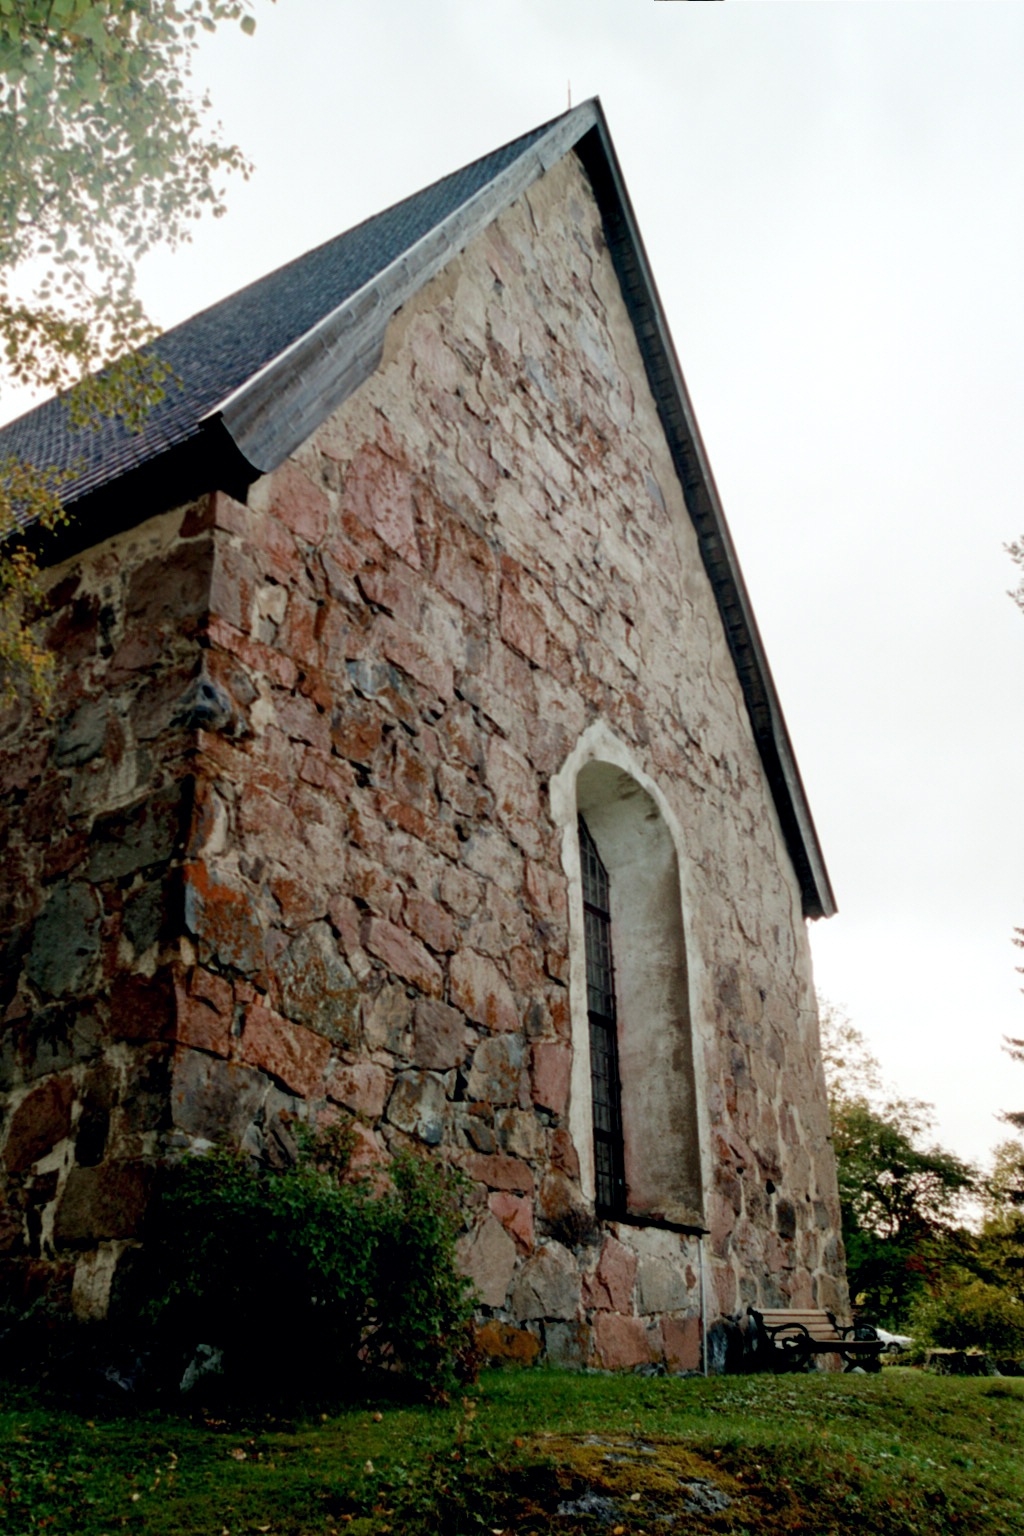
[[831, 198]]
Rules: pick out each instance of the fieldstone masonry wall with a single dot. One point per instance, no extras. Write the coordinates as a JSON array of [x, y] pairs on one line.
[[289, 852], [97, 810]]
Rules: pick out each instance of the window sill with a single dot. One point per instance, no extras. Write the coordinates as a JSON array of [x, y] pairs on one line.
[[661, 1223]]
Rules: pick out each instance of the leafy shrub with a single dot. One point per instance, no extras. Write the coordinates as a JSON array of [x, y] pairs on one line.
[[970, 1314], [312, 1283]]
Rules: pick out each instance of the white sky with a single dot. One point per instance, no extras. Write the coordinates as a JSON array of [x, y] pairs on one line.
[[831, 198]]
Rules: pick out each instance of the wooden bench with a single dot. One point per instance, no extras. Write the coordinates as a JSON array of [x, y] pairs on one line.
[[788, 1337]]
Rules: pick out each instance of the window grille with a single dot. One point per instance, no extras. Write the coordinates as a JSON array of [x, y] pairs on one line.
[[609, 1161]]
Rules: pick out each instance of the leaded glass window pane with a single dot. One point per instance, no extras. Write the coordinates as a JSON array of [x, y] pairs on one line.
[[604, 1057]]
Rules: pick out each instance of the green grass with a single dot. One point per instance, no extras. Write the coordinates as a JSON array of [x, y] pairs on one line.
[[891, 1454]]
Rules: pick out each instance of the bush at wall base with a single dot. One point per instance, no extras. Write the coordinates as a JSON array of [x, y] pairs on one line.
[[308, 1282], [272, 1286]]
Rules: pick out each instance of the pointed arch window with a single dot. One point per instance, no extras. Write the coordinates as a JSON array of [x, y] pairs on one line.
[[606, 1091], [637, 1118]]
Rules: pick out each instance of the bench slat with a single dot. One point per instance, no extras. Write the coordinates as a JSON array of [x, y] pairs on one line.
[[785, 1315]]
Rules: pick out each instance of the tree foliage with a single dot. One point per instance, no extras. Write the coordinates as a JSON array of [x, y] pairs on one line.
[[1015, 1050], [1000, 1246], [900, 1195], [1001, 1241], [901, 1204], [104, 153], [852, 1072], [1016, 554], [999, 1250], [971, 1313]]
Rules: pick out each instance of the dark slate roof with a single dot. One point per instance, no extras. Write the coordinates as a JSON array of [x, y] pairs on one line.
[[215, 352], [261, 370]]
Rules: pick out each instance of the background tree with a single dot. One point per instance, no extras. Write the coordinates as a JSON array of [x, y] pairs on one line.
[[1016, 554], [1014, 1179], [984, 1305], [901, 1198], [104, 153], [999, 1257], [1000, 1248], [1005, 1213]]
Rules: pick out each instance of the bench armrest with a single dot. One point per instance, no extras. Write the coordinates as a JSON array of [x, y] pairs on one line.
[[860, 1331]]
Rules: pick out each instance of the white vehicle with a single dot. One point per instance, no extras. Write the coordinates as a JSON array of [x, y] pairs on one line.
[[895, 1343]]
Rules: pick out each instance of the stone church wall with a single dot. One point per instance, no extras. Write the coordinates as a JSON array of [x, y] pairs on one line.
[[298, 820], [95, 812]]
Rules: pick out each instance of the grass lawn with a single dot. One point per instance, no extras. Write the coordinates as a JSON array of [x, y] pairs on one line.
[[901, 1452]]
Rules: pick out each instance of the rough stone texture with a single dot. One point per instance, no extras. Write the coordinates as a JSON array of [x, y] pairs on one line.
[[681, 1343], [403, 955], [497, 1071], [621, 1343], [548, 1285], [102, 1203], [208, 1094], [205, 1012], [96, 808], [503, 1341], [65, 940], [317, 986], [662, 1285], [417, 1106], [440, 1035], [361, 1087], [488, 1258], [502, 1173], [611, 1286], [515, 1212], [480, 990], [286, 848], [42, 1119], [551, 1068], [289, 1053], [567, 1343]]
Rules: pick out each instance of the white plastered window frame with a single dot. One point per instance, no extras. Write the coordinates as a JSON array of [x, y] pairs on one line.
[[661, 1056]]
